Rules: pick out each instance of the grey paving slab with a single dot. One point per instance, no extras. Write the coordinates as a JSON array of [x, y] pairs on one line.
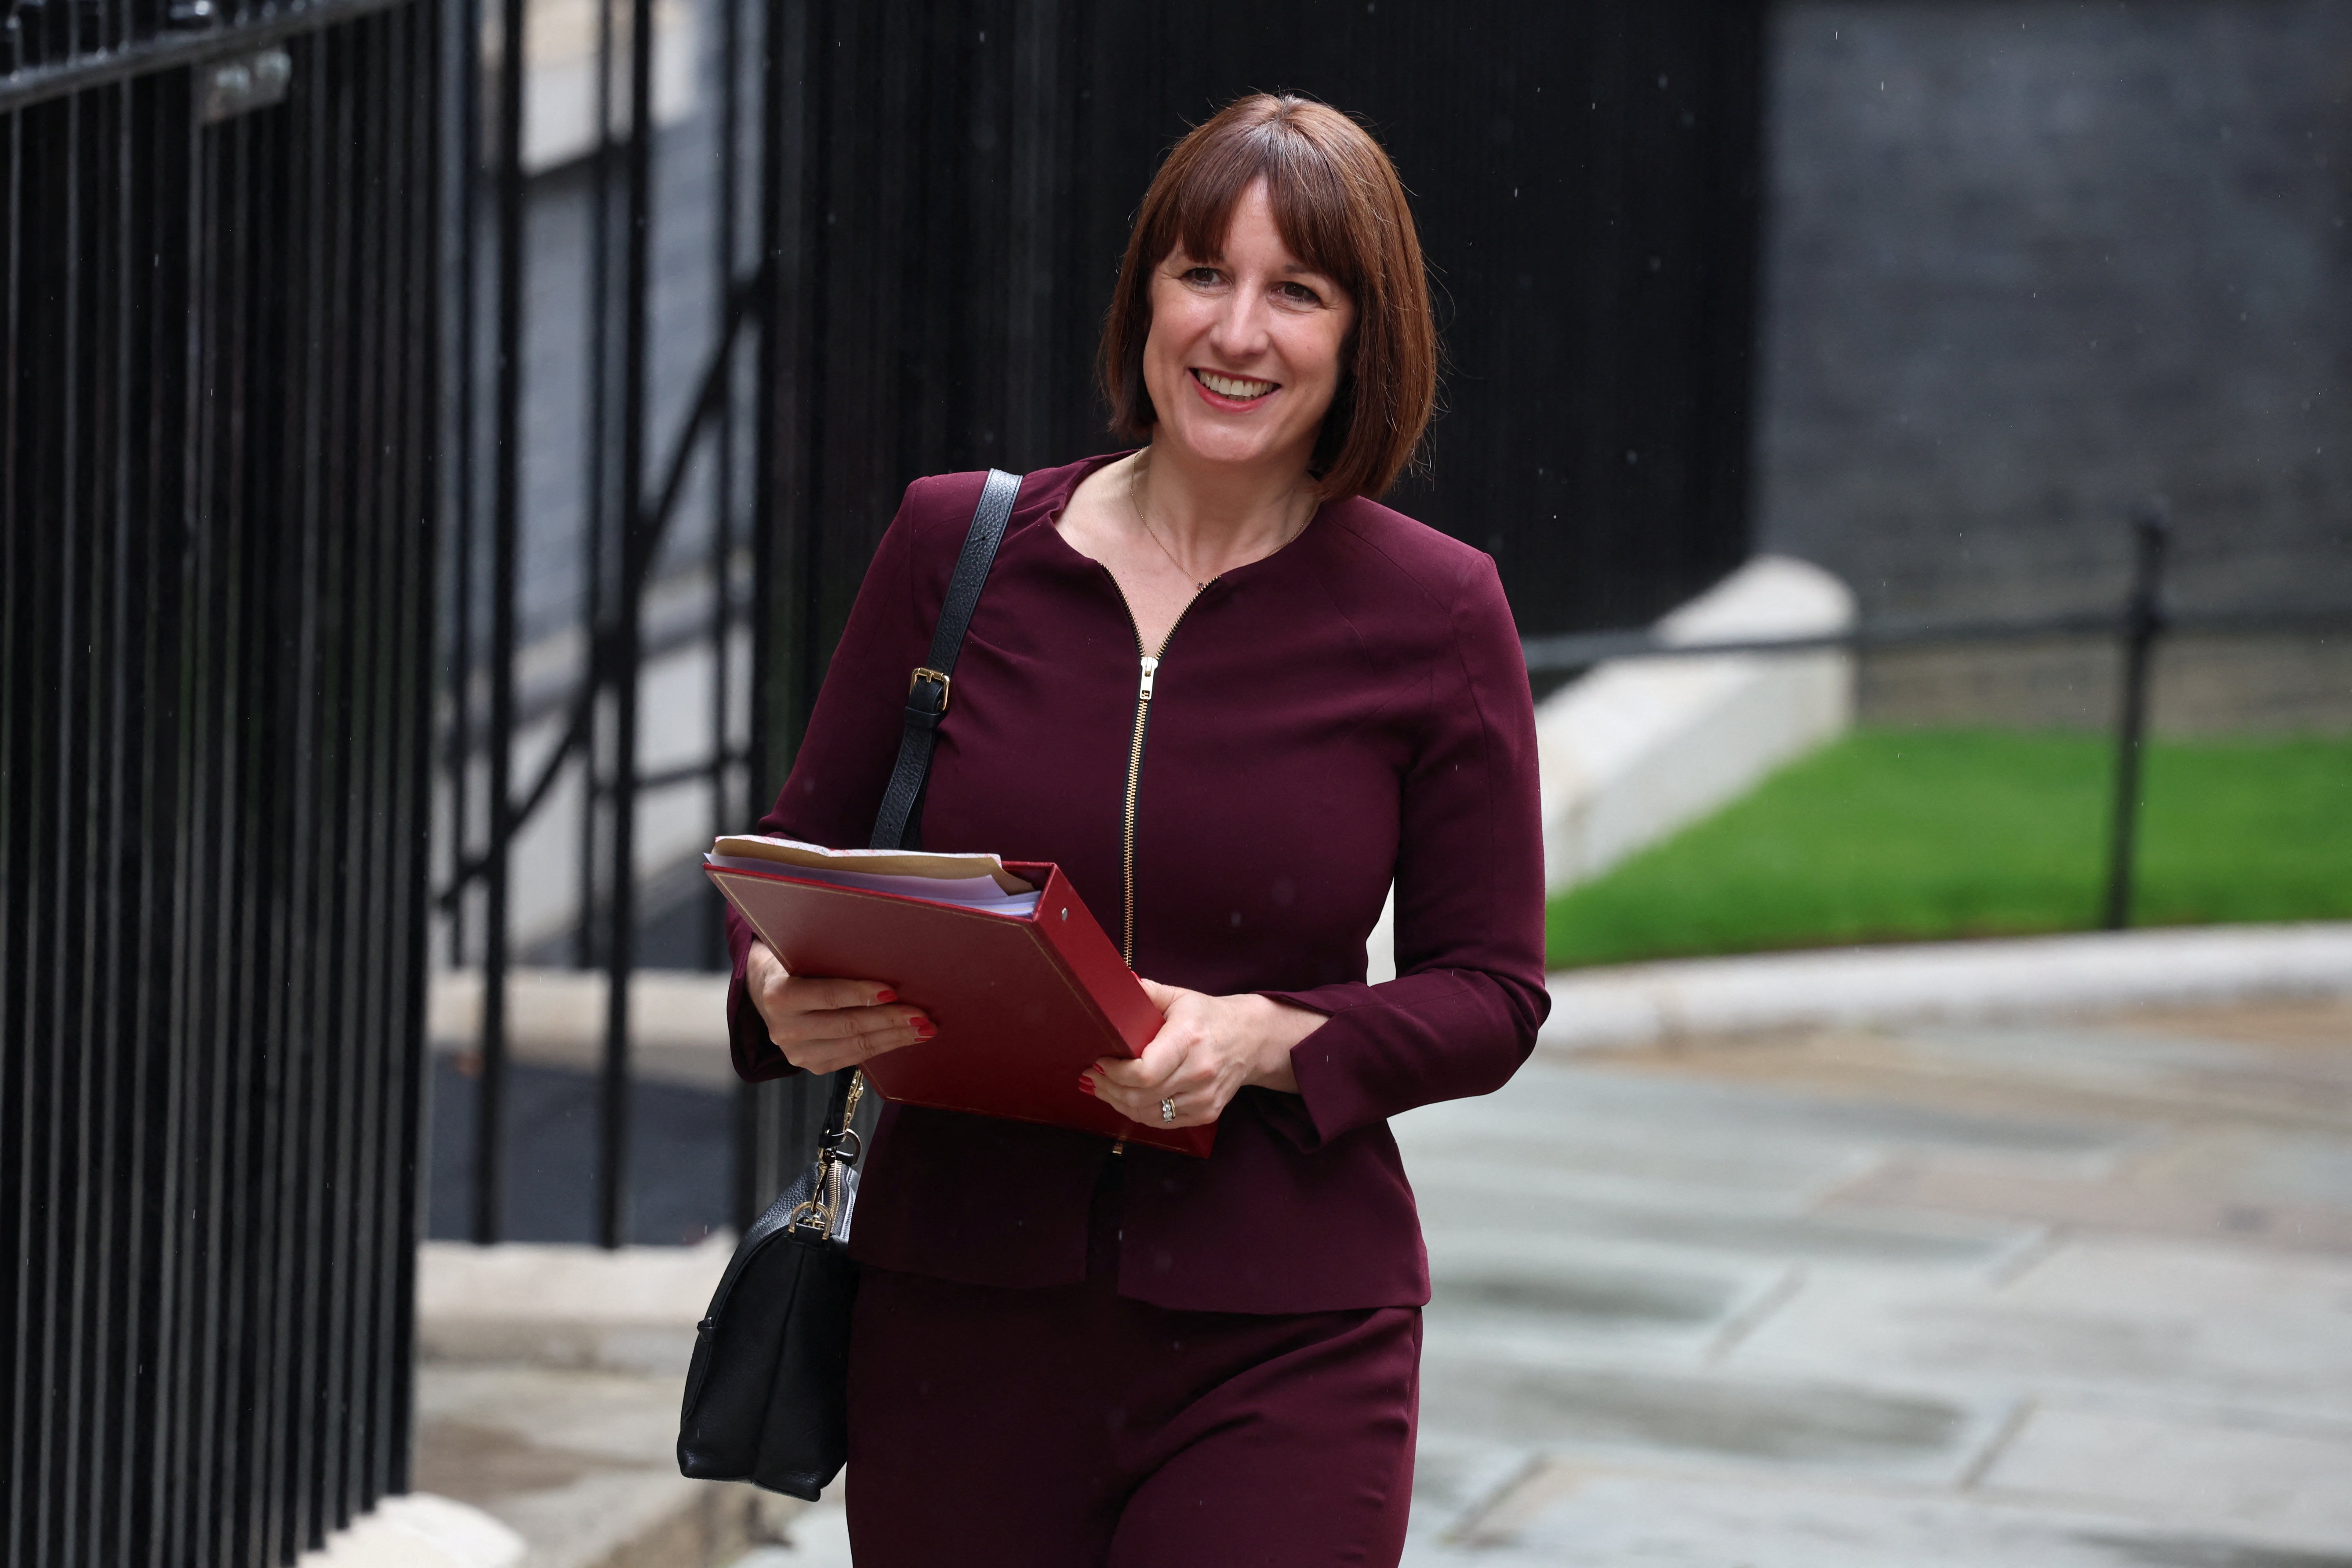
[[1487, 1197], [1587, 1517], [2144, 1060], [1855, 1427], [1492, 1281], [2265, 1165], [816, 1538], [2168, 1320], [1454, 1476], [580, 1462], [1698, 1112], [2252, 1473], [1624, 1148], [2069, 1296]]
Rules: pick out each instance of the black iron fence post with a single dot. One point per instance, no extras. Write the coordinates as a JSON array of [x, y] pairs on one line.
[[489, 1105], [2143, 624], [636, 560]]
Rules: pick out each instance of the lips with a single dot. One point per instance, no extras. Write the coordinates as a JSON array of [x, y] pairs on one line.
[[1237, 388]]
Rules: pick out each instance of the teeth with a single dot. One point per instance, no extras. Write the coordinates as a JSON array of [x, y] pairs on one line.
[[1234, 386]]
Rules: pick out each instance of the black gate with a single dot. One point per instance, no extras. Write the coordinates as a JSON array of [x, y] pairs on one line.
[[216, 557]]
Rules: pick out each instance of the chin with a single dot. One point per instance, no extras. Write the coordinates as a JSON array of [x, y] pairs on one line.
[[1214, 443]]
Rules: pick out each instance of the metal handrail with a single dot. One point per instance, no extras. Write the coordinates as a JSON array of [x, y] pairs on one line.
[[29, 85], [1567, 651], [2137, 623]]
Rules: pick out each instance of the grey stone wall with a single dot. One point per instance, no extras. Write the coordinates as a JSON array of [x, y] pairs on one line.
[[2027, 260]]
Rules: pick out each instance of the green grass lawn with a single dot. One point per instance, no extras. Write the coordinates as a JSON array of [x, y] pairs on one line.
[[1901, 834]]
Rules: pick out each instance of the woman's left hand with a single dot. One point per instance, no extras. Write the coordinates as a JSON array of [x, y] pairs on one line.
[[1209, 1049]]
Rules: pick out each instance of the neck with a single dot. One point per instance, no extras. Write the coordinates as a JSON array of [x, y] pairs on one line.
[[1216, 516]]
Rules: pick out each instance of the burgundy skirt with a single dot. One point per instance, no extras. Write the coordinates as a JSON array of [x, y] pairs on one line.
[[1073, 1427]]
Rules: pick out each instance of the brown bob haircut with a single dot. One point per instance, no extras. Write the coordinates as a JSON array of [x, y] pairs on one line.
[[1341, 210]]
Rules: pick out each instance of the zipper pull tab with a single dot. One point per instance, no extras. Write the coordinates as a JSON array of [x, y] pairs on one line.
[[1150, 668]]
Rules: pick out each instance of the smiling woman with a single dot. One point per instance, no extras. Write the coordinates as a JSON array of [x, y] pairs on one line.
[[1214, 679]]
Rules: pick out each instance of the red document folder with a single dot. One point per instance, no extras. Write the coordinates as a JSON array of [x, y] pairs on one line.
[[1025, 1002]]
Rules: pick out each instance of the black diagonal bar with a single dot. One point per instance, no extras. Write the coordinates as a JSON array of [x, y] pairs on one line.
[[602, 652]]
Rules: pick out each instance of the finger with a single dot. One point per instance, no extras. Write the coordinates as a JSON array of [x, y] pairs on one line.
[[1143, 1105], [857, 1023], [1162, 997], [1194, 1108], [1138, 1101], [1129, 1103], [1161, 1059], [830, 994], [814, 993], [1137, 1078]]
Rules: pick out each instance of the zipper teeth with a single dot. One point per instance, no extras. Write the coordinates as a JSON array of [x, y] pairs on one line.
[[1127, 836], [1134, 756]]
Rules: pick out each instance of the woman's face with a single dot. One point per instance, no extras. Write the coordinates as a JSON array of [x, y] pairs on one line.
[[1243, 354]]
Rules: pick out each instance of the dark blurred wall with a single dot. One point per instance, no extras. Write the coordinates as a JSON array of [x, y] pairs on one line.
[[2027, 261], [1585, 177]]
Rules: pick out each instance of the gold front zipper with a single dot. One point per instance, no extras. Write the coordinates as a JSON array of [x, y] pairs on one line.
[[1127, 830], [1150, 662]]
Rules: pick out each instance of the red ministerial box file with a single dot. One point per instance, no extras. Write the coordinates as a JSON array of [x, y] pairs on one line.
[[1024, 1002]]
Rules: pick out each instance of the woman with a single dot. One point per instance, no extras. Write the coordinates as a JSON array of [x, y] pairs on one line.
[[1233, 698]]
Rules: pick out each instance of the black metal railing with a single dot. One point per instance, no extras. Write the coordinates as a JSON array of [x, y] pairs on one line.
[[2135, 625], [217, 537], [655, 491]]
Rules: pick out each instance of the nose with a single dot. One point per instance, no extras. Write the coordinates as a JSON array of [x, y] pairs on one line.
[[1242, 329]]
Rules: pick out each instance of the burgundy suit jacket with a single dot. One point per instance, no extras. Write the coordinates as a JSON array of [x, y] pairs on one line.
[[1353, 708]]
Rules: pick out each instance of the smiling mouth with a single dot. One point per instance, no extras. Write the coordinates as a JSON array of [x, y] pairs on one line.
[[1240, 388]]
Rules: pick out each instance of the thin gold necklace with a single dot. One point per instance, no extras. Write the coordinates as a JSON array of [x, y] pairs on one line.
[[1136, 507]]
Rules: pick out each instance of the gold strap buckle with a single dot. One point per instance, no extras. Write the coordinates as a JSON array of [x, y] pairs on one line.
[[923, 673]]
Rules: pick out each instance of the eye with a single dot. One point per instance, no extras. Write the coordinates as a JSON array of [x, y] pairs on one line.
[[1300, 293], [1202, 277]]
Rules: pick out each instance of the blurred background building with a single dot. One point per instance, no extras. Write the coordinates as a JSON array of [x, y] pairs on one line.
[[2026, 262]]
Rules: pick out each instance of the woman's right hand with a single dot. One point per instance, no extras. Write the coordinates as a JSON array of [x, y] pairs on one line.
[[824, 1025]]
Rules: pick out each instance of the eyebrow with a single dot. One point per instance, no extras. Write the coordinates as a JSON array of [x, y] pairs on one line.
[[1296, 268]]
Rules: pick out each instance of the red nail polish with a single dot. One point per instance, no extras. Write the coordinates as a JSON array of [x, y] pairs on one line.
[[1085, 1086], [926, 1028], [883, 996]]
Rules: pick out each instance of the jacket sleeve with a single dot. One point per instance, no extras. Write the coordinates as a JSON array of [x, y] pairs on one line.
[[1463, 1011], [844, 762]]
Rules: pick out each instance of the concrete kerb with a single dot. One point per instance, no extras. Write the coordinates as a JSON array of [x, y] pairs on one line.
[[1641, 1004], [1639, 748], [547, 1304], [420, 1530]]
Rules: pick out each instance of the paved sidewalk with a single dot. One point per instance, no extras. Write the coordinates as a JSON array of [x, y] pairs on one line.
[[2050, 1294]]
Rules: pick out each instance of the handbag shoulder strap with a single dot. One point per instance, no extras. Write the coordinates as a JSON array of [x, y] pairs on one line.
[[927, 689]]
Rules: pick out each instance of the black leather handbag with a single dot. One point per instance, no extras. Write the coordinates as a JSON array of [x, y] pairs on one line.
[[767, 1394]]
